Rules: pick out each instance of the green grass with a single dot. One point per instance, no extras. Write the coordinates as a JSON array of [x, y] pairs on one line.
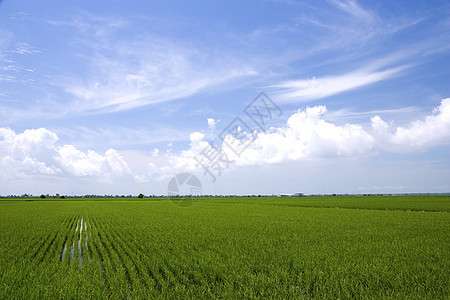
[[388, 247]]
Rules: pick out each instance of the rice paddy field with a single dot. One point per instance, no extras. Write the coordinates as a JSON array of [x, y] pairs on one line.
[[303, 248]]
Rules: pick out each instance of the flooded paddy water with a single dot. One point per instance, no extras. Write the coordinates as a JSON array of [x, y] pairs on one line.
[[78, 237]]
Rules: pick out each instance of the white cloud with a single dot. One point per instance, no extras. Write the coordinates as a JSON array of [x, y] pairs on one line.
[[127, 72], [308, 136], [91, 163], [26, 153], [163, 166], [211, 128], [24, 49], [305, 136], [35, 152], [352, 8], [318, 88], [211, 123], [432, 131]]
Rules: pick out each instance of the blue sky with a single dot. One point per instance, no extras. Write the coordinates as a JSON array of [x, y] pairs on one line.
[[115, 97]]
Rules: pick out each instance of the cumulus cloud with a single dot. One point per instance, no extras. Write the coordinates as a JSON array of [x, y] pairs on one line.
[[165, 165], [211, 123], [91, 163], [307, 135], [432, 131], [27, 153], [211, 128], [35, 152]]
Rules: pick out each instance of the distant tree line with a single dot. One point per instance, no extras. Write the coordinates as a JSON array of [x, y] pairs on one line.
[[140, 195]]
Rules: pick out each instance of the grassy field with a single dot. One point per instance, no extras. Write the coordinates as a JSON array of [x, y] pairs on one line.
[[311, 247]]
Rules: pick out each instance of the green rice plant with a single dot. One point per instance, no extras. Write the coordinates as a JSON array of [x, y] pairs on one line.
[[336, 247]]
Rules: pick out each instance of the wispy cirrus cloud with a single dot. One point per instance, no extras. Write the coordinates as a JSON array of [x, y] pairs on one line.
[[303, 90], [354, 9], [347, 114], [334, 32], [10, 69], [127, 72]]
